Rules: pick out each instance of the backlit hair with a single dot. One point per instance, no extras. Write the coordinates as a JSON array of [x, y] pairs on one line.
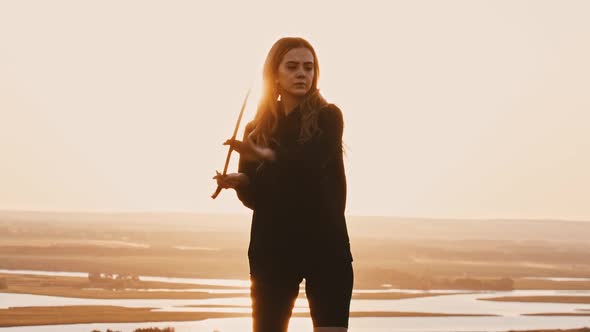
[[266, 119]]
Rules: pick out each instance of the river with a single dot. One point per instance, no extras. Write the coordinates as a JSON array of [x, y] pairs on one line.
[[509, 314]]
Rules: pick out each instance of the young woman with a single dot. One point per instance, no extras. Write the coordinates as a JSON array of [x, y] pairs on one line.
[[291, 174]]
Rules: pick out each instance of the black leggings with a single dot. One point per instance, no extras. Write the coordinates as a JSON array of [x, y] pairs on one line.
[[328, 287]]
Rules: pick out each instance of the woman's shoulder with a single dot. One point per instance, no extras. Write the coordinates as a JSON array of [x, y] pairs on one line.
[[330, 108], [331, 115]]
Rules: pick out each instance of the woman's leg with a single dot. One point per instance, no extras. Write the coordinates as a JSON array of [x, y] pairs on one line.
[[273, 297], [329, 290]]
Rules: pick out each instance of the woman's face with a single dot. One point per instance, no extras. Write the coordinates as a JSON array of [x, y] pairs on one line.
[[296, 72]]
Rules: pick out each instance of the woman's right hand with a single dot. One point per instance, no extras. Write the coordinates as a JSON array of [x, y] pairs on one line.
[[231, 180]]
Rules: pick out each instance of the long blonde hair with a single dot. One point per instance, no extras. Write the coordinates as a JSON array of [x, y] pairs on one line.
[[266, 119]]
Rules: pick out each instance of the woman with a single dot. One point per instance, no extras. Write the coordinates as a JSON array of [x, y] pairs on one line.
[[291, 174]]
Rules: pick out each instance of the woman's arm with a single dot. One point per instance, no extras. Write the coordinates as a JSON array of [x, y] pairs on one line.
[[246, 190], [314, 157]]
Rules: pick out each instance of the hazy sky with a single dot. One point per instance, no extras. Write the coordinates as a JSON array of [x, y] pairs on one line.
[[452, 108]]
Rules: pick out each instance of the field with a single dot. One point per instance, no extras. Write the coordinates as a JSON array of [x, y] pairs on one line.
[[388, 252]]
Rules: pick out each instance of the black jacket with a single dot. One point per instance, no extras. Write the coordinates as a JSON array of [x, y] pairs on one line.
[[298, 201]]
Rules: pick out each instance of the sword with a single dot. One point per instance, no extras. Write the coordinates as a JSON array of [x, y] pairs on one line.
[[218, 190]]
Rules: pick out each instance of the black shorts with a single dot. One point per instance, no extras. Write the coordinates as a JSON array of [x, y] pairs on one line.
[[328, 287]]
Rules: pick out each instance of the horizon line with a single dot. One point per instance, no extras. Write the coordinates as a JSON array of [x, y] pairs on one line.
[[50, 211]]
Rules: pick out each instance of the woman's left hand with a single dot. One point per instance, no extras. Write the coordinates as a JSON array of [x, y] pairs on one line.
[[247, 149]]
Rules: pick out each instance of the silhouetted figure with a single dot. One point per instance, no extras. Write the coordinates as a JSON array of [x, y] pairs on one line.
[[291, 174]]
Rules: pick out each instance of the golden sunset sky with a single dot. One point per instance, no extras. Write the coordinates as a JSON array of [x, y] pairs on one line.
[[452, 109]]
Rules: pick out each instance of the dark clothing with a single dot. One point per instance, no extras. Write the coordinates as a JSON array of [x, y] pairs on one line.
[[328, 288], [298, 225], [298, 201]]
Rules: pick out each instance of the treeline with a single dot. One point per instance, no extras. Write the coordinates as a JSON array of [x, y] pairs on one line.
[[112, 280], [98, 276]]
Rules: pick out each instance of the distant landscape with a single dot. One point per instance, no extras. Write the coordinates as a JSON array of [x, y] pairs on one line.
[[412, 253], [115, 252]]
